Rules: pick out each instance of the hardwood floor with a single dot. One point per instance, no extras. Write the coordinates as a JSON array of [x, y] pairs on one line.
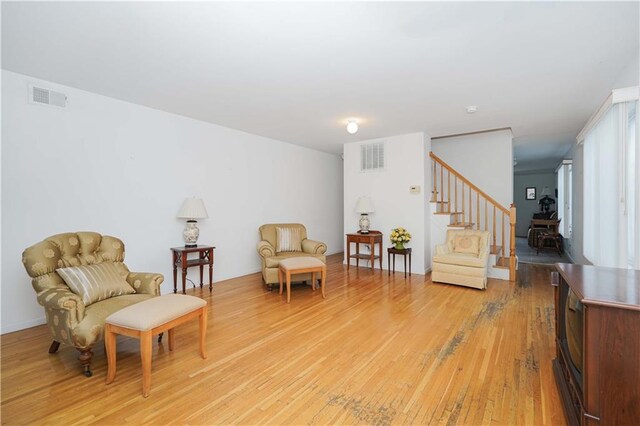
[[378, 350]]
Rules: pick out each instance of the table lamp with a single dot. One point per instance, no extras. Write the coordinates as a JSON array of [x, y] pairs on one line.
[[192, 209], [364, 206], [546, 200]]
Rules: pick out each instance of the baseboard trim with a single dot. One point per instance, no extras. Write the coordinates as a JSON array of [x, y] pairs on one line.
[[22, 325], [569, 256]]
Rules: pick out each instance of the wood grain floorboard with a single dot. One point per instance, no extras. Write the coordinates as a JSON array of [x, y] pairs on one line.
[[379, 350]]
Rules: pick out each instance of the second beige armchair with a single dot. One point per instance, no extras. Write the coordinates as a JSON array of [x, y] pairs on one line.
[[272, 251], [463, 259]]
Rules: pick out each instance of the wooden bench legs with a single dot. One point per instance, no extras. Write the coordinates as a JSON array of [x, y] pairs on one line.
[[284, 275], [145, 337]]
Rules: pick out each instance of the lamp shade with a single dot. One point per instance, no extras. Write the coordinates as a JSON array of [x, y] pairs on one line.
[[545, 192], [193, 208], [364, 205]]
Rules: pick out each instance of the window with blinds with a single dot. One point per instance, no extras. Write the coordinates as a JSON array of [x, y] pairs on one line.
[[372, 157], [564, 207], [611, 189]]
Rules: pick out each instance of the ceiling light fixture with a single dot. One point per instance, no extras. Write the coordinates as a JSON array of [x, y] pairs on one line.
[[352, 127], [471, 109]]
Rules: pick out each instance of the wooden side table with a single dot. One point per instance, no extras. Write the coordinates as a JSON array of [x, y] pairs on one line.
[[372, 238], [180, 259], [404, 252]]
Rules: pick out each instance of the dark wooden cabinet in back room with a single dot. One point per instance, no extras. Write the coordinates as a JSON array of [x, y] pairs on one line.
[[597, 368]]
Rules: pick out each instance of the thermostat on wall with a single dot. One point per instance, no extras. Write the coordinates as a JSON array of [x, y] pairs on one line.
[[414, 189]]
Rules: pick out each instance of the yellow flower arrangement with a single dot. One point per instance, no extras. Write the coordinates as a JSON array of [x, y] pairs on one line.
[[399, 237]]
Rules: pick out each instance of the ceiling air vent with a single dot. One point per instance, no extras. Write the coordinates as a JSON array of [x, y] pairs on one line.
[[41, 96], [372, 157]]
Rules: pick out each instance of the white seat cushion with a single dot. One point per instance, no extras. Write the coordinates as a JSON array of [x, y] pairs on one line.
[[274, 261], [461, 259], [155, 311], [301, 263]]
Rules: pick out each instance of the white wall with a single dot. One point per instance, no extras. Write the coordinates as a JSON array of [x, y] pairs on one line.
[[123, 169], [405, 159], [486, 159], [630, 74], [526, 208]]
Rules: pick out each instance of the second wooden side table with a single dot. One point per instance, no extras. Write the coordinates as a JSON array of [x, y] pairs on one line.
[[404, 252]]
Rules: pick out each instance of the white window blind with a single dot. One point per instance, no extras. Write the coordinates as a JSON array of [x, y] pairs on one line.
[[561, 201], [611, 190], [569, 202], [564, 198], [632, 187]]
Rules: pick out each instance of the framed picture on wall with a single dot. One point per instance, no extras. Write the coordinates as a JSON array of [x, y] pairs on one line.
[[531, 193]]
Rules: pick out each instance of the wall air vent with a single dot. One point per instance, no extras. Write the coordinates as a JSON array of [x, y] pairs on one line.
[[41, 96], [372, 157]]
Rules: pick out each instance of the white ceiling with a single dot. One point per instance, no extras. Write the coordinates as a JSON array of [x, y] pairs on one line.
[[296, 71]]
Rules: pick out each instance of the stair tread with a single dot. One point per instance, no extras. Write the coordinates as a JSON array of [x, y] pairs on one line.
[[495, 249], [448, 213], [502, 262], [461, 224]]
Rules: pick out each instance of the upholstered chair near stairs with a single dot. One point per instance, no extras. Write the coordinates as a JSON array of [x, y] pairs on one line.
[[463, 259], [457, 203], [70, 318]]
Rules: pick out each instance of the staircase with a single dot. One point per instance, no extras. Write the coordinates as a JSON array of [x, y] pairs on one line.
[[456, 203]]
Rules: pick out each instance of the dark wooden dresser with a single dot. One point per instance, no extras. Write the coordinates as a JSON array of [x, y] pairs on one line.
[[605, 387]]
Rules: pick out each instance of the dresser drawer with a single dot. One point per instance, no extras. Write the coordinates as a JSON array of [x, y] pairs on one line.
[[361, 239]]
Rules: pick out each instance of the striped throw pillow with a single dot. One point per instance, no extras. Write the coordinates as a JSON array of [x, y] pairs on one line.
[[95, 282], [288, 239]]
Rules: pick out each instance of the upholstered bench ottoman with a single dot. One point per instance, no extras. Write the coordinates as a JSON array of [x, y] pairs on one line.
[[301, 265], [148, 318]]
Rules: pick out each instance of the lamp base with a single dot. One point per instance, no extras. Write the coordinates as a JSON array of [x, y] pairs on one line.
[[364, 223], [191, 234]]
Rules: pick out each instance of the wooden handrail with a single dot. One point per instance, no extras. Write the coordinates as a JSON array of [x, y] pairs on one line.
[[468, 182]]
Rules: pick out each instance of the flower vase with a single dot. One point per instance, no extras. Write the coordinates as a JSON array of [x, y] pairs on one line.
[[399, 246]]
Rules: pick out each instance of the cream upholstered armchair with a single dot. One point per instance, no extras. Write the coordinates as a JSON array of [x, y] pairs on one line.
[[463, 259], [71, 319], [272, 250]]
